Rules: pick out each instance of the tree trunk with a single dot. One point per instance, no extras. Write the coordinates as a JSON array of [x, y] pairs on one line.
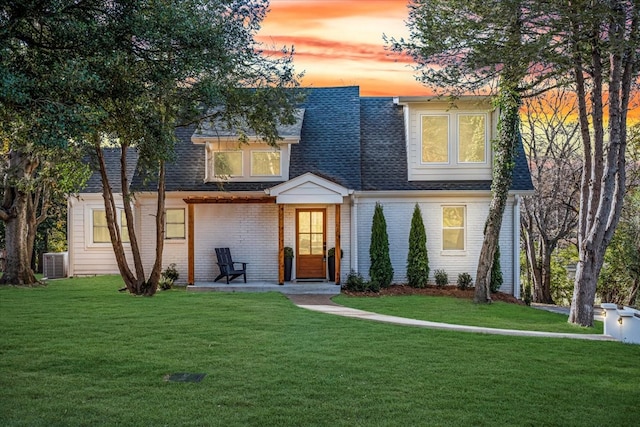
[[14, 212], [508, 132], [584, 292]]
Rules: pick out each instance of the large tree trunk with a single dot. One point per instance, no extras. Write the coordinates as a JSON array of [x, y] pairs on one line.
[[508, 138], [14, 213], [603, 179]]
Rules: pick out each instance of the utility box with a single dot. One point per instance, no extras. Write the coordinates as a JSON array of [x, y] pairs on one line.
[[54, 265]]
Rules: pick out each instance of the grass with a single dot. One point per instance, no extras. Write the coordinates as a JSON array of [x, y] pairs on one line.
[[465, 312], [79, 353]]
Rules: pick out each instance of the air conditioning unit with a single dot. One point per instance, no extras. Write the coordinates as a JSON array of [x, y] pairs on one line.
[[54, 265]]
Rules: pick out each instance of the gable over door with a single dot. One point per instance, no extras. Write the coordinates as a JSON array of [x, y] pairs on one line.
[[311, 243]]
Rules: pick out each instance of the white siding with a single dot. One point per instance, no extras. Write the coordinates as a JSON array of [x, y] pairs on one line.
[[398, 213], [85, 257]]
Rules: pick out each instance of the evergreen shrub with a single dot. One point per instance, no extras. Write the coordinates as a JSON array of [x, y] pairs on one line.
[[418, 258]]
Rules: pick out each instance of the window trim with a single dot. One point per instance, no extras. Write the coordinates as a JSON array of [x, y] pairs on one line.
[[184, 224], [463, 228], [90, 238], [252, 152], [453, 139]]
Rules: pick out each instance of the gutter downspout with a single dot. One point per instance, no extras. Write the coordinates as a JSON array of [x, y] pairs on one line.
[[354, 234], [516, 246]]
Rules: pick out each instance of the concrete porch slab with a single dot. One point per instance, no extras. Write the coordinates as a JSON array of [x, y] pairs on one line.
[[289, 288]]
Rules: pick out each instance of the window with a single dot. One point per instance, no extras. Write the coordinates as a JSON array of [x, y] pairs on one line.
[[227, 163], [124, 229], [472, 138], [265, 163], [174, 227], [100, 229], [435, 139], [468, 138], [453, 228]]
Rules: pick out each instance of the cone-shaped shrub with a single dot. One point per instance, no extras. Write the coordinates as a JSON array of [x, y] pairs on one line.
[[418, 259], [381, 271], [496, 272]]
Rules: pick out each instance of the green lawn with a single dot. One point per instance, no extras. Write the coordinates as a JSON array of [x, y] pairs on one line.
[[465, 312], [79, 353]]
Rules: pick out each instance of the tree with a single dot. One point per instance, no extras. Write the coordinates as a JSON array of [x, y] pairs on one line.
[[381, 270], [39, 116], [604, 46], [496, 272], [205, 65], [418, 258], [550, 215], [525, 48], [463, 46], [128, 72]]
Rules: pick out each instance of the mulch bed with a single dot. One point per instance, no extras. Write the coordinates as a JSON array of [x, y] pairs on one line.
[[449, 291]]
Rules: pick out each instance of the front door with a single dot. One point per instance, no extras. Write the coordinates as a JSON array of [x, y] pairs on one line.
[[312, 244]]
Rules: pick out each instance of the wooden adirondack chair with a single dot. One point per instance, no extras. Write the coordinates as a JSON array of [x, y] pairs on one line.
[[227, 266]]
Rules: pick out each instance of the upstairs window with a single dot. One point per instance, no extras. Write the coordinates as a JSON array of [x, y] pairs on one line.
[[265, 163], [456, 138], [227, 164], [453, 228], [435, 139], [472, 138]]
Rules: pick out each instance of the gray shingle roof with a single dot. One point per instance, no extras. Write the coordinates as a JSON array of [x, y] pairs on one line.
[[112, 163], [356, 142]]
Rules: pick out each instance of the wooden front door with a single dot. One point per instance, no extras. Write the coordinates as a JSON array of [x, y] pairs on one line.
[[311, 243]]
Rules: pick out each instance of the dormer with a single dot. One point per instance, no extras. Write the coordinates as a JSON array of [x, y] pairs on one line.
[[448, 140], [230, 160]]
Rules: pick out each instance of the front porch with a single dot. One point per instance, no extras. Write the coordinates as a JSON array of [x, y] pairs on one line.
[[288, 288]]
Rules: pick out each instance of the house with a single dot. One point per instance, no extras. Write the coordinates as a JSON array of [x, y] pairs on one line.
[[319, 190]]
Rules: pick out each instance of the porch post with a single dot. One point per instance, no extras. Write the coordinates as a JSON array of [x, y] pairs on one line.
[[191, 245], [338, 253], [281, 244]]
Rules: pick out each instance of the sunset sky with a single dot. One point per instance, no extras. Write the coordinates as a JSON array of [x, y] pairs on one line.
[[339, 42]]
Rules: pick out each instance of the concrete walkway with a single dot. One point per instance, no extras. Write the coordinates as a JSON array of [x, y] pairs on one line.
[[324, 304]]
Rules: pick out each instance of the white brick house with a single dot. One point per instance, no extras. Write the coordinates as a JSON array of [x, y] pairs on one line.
[[345, 154]]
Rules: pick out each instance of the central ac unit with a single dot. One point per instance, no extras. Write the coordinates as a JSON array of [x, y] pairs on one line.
[[54, 265]]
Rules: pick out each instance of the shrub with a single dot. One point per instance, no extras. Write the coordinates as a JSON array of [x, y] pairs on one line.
[[355, 282], [464, 281], [495, 282], [442, 278], [288, 252], [381, 271], [527, 294], [169, 276], [418, 259]]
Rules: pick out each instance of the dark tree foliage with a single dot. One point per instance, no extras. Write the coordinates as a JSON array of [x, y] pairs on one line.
[[380, 271], [418, 258]]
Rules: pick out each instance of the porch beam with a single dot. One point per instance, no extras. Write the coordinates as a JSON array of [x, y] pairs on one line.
[[281, 244], [229, 199], [338, 253], [191, 246]]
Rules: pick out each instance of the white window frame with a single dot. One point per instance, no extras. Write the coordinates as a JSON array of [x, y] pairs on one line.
[[184, 224], [464, 229], [453, 141], [90, 238], [252, 152]]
